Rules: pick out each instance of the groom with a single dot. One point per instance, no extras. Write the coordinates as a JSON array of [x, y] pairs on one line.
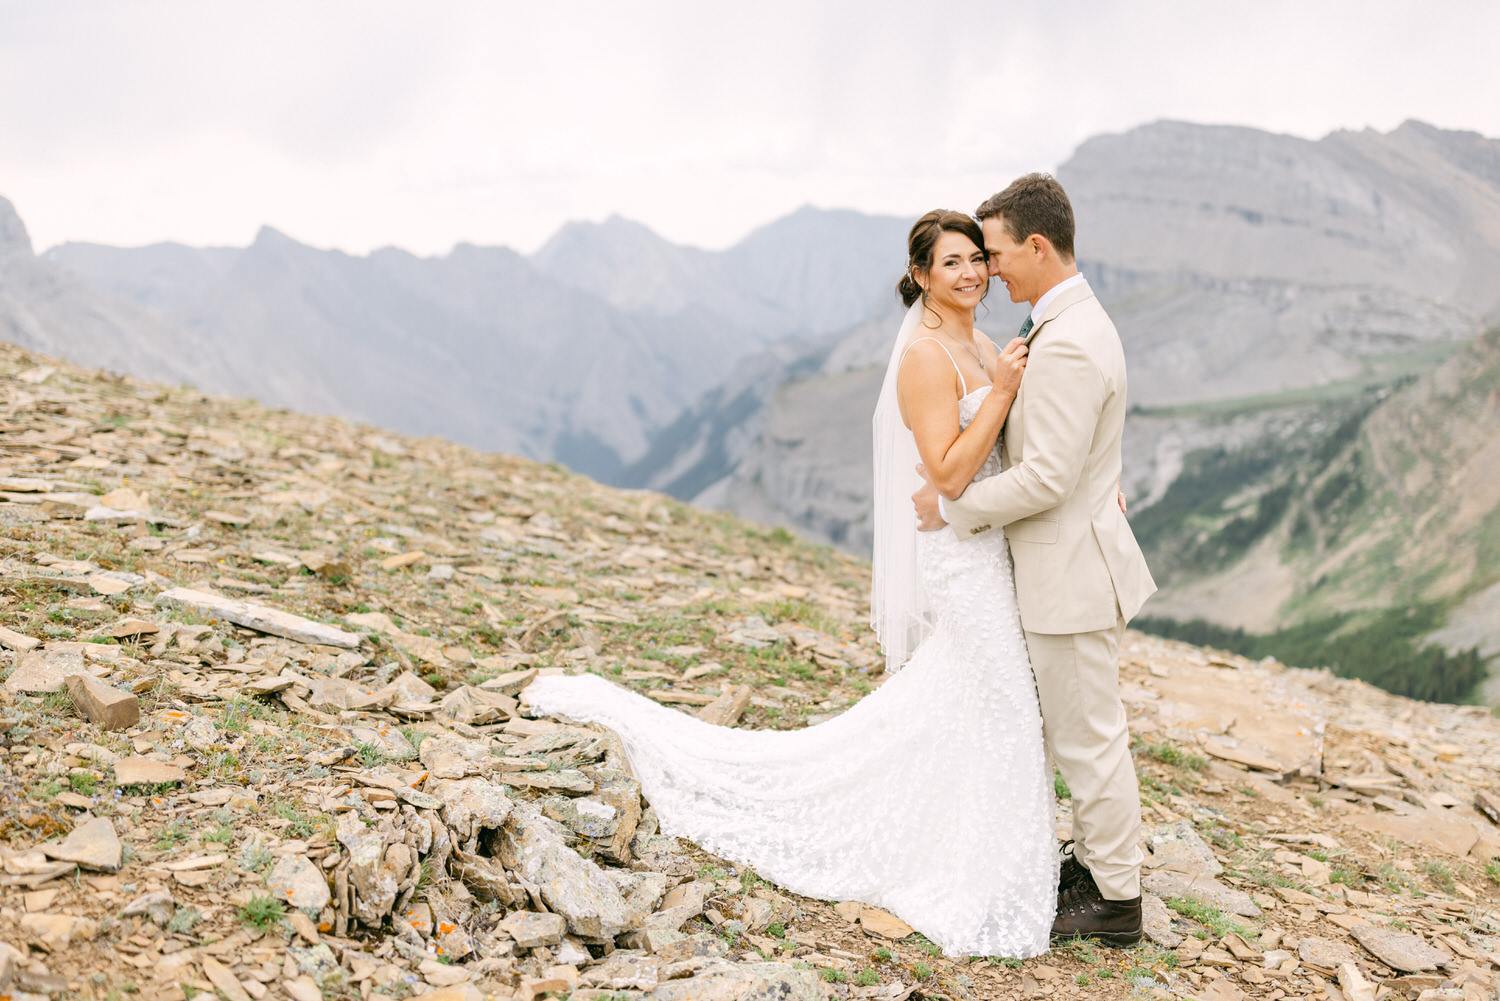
[[1079, 573]]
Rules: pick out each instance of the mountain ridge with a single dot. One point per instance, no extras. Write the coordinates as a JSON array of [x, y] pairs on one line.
[[546, 356]]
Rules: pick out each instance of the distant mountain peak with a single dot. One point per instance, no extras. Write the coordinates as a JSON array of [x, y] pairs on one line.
[[270, 236], [14, 240], [617, 232]]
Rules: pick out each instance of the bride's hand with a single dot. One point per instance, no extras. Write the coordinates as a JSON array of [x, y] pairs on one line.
[[1010, 364]]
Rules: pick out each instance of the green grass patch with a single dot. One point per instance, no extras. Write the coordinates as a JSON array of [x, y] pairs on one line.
[[1170, 754], [1209, 916], [262, 912]]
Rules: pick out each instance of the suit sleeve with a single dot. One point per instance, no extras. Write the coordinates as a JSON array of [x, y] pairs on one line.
[[1064, 396]]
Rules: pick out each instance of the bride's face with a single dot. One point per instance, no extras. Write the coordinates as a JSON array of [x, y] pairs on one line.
[[958, 275]]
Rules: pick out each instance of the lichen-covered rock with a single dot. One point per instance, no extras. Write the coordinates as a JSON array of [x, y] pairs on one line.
[[487, 879], [373, 883], [454, 758], [721, 980], [471, 806], [530, 929], [532, 847], [623, 793], [1178, 847], [296, 882], [587, 816], [624, 970]]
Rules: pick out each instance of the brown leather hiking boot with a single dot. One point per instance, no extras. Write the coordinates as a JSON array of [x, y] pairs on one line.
[[1073, 872], [1084, 914]]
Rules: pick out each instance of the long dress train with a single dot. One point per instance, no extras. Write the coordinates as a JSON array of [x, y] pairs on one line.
[[929, 797]]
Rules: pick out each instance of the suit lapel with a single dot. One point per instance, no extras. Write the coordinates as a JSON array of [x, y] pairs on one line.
[[1078, 293], [1015, 423]]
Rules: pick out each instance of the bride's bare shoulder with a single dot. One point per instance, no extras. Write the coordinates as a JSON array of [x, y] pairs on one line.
[[925, 360]]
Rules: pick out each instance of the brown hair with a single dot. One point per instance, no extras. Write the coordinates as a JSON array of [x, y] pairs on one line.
[[1037, 204], [923, 237]]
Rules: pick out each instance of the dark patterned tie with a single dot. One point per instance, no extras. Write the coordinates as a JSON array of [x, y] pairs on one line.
[[1026, 328]]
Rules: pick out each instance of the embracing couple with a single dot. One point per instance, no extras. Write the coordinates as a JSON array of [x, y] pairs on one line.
[[932, 796]]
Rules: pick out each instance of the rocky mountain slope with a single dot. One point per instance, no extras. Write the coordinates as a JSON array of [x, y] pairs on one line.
[[1396, 509], [579, 353], [264, 735]]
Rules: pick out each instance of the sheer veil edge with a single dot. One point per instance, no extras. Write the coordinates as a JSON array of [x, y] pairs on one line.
[[900, 612]]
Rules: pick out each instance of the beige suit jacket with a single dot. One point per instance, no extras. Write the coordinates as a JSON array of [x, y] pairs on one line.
[[1078, 567]]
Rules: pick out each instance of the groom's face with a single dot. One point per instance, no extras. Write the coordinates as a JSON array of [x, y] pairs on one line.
[[1015, 264]]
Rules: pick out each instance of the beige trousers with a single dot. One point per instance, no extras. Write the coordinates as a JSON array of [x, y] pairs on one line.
[[1078, 682]]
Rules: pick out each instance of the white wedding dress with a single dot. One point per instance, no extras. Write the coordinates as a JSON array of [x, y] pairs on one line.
[[929, 797]]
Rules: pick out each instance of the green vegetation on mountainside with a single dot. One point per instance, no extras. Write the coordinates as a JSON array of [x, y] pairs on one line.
[[1386, 519], [1384, 649]]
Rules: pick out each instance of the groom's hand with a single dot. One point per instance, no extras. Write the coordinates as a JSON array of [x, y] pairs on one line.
[[929, 515]]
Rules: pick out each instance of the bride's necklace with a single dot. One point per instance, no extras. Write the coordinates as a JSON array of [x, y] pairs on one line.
[[971, 349]]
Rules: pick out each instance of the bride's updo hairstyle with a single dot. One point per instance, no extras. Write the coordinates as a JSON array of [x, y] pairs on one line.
[[923, 237]]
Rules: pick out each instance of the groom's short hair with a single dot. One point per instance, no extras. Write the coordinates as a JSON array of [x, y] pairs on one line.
[[1037, 204]]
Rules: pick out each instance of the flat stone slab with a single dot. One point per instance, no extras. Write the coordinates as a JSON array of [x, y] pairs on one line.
[[1324, 954], [883, 923], [1166, 883], [531, 929], [1177, 846], [624, 970], [564, 780], [93, 844], [261, 618], [146, 771], [1399, 950], [19, 641], [42, 671], [1425, 828], [1243, 752], [721, 980]]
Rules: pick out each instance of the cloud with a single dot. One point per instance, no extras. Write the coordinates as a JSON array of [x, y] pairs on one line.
[[364, 124]]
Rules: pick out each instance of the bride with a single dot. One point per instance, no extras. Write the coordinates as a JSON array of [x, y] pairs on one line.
[[930, 797]]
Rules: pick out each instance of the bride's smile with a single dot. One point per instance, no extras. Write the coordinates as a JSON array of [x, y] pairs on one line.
[[959, 275]]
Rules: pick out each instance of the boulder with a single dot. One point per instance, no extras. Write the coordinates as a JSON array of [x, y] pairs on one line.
[[532, 847]]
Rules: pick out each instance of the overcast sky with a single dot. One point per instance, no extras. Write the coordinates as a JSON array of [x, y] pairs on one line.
[[364, 124]]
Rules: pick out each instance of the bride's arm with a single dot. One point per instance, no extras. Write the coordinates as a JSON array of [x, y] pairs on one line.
[[925, 387]]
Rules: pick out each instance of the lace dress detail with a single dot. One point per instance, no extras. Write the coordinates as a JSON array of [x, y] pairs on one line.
[[929, 797]]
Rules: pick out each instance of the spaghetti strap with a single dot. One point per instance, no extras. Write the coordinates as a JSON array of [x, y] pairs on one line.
[[962, 381]]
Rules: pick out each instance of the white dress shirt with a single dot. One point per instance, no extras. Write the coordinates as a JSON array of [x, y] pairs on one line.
[[1046, 297]]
